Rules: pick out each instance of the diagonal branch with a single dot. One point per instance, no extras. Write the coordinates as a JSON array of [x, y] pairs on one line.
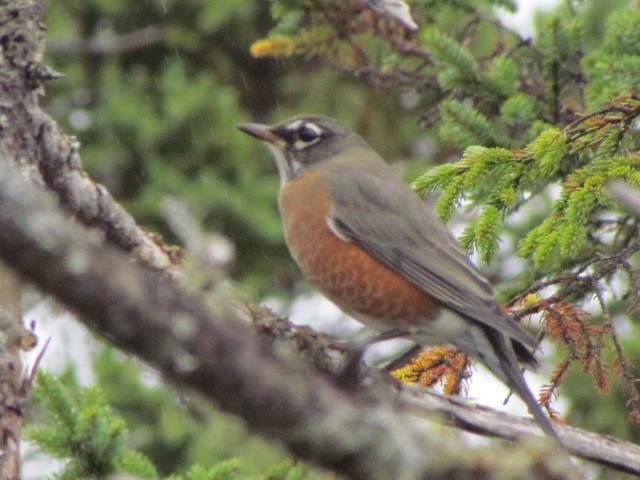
[[110, 43], [59, 164], [49, 155], [219, 357], [359, 434]]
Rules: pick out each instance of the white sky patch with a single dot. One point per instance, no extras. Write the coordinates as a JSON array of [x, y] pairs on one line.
[[70, 344], [522, 20]]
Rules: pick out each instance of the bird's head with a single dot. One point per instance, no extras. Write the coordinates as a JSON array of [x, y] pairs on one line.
[[301, 142]]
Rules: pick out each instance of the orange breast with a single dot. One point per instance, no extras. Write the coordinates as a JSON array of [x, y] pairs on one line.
[[348, 276]]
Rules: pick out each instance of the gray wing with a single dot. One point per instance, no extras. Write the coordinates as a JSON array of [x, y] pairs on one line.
[[385, 218]]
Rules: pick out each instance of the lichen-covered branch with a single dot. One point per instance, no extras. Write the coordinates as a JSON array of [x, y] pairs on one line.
[[20, 48], [47, 153], [13, 387], [622, 456], [368, 433], [59, 163], [354, 433]]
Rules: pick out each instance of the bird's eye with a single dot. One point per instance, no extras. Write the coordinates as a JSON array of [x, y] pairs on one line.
[[308, 134]]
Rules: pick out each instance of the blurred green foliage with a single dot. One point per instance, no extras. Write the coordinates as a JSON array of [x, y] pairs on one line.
[[125, 426]]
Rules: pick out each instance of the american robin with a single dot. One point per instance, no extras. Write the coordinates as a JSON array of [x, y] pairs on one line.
[[373, 248]]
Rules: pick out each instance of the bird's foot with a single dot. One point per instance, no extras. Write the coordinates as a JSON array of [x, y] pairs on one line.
[[349, 375]]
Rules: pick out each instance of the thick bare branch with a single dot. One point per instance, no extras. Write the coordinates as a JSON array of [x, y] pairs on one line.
[[329, 355], [59, 163], [220, 358], [354, 433], [12, 384], [20, 47], [110, 43], [459, 412], [50, 155]]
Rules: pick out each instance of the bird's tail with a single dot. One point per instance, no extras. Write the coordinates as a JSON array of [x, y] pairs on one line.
[[508, 370]]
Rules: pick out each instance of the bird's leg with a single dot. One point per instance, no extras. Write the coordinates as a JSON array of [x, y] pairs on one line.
[[403, 359], [349, 374]]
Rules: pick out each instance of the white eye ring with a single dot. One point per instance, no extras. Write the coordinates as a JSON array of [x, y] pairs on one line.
[[307, 134]]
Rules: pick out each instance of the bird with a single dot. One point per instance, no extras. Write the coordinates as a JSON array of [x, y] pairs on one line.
[[397, 9], [377, 251]]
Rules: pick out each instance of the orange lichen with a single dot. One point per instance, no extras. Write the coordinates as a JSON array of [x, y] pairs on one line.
[[440, 364]]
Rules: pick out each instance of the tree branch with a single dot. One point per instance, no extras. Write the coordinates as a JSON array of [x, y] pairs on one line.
[[359, 434], [20, 46], [59, 163], [50, 155], [458, 412], [13, 388], [110, 43], [329, 355]]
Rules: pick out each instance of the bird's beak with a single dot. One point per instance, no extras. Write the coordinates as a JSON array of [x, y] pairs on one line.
[[262, 132]]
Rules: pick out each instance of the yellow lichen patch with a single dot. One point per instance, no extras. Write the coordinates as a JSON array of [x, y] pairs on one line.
[[278, 46], [446, 365], [531, 300]]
